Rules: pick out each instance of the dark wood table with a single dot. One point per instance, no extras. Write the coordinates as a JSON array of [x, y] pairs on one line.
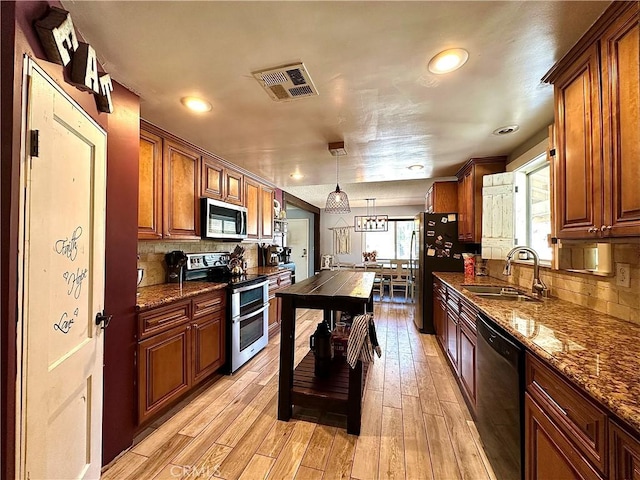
[[330, 291]]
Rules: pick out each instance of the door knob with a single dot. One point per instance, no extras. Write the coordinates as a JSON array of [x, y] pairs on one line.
[[592, 230], [103, 319], [605, 228]]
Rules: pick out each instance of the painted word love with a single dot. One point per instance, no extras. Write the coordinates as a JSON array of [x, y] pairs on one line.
[[58, 37]]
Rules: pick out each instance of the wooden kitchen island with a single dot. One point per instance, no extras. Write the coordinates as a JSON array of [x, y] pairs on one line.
[[329, 291]]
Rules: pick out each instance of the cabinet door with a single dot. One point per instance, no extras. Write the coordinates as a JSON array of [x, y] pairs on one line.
[[212, 178], [150, 186], [468, 362], [465, 207], [428, 200], [208, 336], [266, 212], [439, 319], [548, 454], [164, 362], [233, 187], [621, 126], [452, 339], [578, 171], [624, 456], [181, 192], [273, 314], [252, 194]]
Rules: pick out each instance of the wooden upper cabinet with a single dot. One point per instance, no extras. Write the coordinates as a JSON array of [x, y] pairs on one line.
[[442, 197], [266, 210], [577, 175], [470, 195], [252, 202], [181, 192], [213, 178], [150, 186], [234, 182], [598, 131], [621, 125]]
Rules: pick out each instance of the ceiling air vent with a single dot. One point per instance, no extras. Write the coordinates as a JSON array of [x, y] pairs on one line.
[[288, 82]]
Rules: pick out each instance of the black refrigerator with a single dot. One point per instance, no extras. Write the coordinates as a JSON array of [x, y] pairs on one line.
[[438, 250]]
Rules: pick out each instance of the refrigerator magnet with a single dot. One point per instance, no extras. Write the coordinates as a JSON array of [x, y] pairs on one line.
[[431, 252], [448, 244], [452, 217], [431, 233], [444, 219], [431, 223], [457, 256]]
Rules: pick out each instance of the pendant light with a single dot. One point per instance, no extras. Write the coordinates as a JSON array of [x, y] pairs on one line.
[[371, 223], [337, 201]]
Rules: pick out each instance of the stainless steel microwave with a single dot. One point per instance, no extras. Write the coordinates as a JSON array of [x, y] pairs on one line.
[[223, 220]]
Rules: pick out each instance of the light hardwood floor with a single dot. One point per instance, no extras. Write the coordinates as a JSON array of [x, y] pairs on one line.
[[415, 424]]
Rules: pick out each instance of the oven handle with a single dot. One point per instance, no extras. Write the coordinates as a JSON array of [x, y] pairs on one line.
[[249, 315], [249, 287]]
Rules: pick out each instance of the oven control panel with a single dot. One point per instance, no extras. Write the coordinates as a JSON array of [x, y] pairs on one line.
[[198, 261]]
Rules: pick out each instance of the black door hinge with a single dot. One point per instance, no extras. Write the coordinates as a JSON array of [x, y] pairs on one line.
[[552, 152], [34, 142]]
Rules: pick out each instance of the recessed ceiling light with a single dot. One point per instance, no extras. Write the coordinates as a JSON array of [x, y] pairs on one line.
[[296, 176], [415, 167], [448, 60], [506, 130], [196, 104]]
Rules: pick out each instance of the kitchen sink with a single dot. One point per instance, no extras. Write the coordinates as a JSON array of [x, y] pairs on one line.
[[491, 292]]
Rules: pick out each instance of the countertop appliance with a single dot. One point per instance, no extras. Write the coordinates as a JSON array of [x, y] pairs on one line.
[[223, 221], [499, 402], [436, 235], [247, 305], [176, 260]]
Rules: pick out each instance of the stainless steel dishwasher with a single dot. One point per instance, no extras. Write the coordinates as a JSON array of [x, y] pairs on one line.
[[499, 402]]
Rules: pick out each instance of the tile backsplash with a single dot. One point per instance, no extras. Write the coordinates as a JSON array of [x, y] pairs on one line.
[[152, 254], [599, 293]]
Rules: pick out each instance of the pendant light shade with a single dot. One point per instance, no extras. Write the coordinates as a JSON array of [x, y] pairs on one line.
[[337, 201], [371, 222]]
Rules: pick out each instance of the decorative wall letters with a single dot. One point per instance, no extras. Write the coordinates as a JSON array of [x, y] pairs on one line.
[[58, 37]]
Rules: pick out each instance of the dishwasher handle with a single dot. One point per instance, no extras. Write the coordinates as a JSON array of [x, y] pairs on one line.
[[503, 344]]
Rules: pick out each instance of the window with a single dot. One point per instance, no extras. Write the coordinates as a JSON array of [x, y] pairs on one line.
[[537, 222], [394, 243]]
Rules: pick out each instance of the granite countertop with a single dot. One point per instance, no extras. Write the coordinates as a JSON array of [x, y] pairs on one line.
[[597, 352], [158, 295]]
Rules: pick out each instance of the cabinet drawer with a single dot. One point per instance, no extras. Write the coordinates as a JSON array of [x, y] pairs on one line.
[[468, 315], [163, 318], [209, 303], [284, 280], [453, 301], [581, 420]]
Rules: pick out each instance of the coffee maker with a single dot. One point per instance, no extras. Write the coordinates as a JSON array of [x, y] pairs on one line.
[[273, 255], [175, 261], [285, 255]]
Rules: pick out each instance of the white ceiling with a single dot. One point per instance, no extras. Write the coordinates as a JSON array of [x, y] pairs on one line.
[[368, 61]]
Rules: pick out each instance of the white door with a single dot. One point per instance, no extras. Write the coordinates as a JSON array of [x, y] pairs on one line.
[[298, 242], [63, 288]]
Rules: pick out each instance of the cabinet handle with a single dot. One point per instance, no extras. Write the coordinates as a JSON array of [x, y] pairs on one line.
[[188, 327], [592, 230], [605, 227]]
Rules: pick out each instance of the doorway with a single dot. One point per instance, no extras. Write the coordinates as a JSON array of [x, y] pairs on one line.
[[61, 281], [298, 241]]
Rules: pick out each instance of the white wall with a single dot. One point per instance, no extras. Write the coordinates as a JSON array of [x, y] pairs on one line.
[[327, 221]]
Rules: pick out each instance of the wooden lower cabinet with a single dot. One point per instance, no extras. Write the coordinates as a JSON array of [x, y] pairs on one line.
[[277, 281], [452, 339], [548, 453], [172, 362], [440, 316], [467, 361], [624, 454], [163, 370], [208, 346]]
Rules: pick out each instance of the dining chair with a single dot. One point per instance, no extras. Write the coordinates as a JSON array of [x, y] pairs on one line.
[[400, 278]]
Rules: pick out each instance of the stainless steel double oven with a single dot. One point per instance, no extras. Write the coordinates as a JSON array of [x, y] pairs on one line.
[[248, 305]]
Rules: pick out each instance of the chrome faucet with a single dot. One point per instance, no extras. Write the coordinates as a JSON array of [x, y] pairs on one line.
[[538, 287]]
